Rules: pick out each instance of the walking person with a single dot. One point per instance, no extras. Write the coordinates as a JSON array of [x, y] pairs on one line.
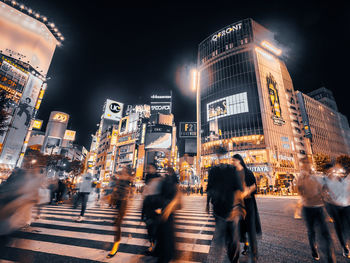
[[251, 223], [336, 198], [310, 190], [225, 193], [151, 202], [121, 193], [85, 188], [170, 200]]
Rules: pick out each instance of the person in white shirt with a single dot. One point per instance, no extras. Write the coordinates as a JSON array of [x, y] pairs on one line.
[[336, 198], [85, 188]]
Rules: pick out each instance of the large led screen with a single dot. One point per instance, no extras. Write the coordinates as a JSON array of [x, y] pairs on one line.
[[231, 105], [158, 141]]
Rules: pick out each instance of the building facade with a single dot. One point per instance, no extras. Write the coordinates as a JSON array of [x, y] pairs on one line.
[[248, 103], [28, 42], [323, 126]]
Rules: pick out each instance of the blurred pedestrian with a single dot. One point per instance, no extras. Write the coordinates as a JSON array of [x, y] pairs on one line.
[[151, 202], [310, 190], [225, 192], [335, 195], [121, 193], [201, 190], [85, 188], [170, 198], [251, 223], [18, 195]]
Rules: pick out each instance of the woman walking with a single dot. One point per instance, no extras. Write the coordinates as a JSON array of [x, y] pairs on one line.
[[251, 224]]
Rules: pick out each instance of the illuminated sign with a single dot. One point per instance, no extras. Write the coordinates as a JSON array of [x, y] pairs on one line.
[[161, 103], [37, 124], [231, 105], [113, 110], [188, 129], [61, 117], [259, 169], [143, 133], [274, 100], [69, 135], [160, 107], [271, 48], [160, 97], [114, 137], [226, 31]]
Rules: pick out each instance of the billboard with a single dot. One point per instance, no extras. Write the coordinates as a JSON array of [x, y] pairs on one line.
[[32, 91], [12, 75], [26, 39], [231, 105], [59, 117], [69, 135], [274, 100], [158, 140], [188, 130], [161, 103], [113, 110], [37, 124]]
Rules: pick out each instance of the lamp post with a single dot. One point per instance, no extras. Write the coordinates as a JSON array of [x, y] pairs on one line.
[[196, 86]]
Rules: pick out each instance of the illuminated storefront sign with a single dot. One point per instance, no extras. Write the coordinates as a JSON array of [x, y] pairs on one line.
[[271, 48], [231, 105], [227, 31], [259, 169], [274, 100], [37, 124], [69, 135]]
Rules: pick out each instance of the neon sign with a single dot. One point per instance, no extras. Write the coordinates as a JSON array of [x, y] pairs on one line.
[[227, 31]]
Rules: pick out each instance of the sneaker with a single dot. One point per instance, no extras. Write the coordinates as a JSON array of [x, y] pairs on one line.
[[346, 253], [315, 256], [79, 219]]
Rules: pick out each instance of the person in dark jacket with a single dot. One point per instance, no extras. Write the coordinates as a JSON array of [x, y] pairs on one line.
[[225, 192], [170, 201], [251, 224]]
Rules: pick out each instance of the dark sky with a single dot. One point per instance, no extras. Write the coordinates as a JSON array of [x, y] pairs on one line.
[[125, 52]]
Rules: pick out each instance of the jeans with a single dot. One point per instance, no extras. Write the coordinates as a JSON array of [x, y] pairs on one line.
[[251, 230], [226, 235], [84, 198], [314, 216]]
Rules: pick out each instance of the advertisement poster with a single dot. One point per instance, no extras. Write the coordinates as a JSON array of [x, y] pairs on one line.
[[274, 100]]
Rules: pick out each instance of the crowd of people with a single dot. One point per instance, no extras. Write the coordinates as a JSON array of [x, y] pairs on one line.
[[231, 191], [325, 196]]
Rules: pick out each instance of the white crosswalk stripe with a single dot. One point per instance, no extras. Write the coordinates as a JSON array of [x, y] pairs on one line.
[[56, 237]]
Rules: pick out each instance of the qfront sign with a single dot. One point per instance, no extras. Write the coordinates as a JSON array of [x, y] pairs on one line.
[[227, 31]]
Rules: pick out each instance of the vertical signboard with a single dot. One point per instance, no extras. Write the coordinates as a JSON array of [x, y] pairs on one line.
[[188, 130], [113, 110]]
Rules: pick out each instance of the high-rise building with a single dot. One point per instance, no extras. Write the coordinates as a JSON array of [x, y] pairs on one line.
[[248, 103], [28, 42], [326, 127], [325, 96]]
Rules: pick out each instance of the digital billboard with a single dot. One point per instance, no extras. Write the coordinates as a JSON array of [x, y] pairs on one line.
[[113, 110], [158, 141], [26, 39], [12, 75], [188, 130], [37, 124], [231, 105], [274, 100], [59, 117], [31, 91]]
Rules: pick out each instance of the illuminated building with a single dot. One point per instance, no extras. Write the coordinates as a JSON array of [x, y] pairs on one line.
[[327, 129], [248, 103], [28, 42]]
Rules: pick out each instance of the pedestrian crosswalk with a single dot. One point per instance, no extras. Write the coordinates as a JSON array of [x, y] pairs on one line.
[[56, 237]]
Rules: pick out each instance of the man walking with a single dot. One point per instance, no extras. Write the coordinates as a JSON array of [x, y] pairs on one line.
[[310, 190], [225, 192], [85, 188]]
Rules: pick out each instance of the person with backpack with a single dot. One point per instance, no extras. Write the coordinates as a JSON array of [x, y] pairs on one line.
[[225, 193]]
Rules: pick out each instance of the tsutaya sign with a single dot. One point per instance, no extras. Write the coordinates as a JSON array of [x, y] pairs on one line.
[[227, 31]]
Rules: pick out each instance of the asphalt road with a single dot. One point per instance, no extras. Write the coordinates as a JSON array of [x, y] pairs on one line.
[[284, 238]]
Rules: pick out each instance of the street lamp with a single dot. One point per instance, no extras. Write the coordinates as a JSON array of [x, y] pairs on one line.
[[196, 86]]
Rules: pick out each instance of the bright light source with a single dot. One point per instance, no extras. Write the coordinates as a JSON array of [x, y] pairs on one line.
[[52, 25], [21, 6], [33, 161], [194, 74], [271, 48], [263, 53], [30, 11], [44, 18], [62, 38]]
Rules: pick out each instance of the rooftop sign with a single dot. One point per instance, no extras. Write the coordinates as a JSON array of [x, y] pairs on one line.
[[227, 31]]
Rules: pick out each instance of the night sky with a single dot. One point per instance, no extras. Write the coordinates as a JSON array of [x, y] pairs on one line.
[[127, 51]]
